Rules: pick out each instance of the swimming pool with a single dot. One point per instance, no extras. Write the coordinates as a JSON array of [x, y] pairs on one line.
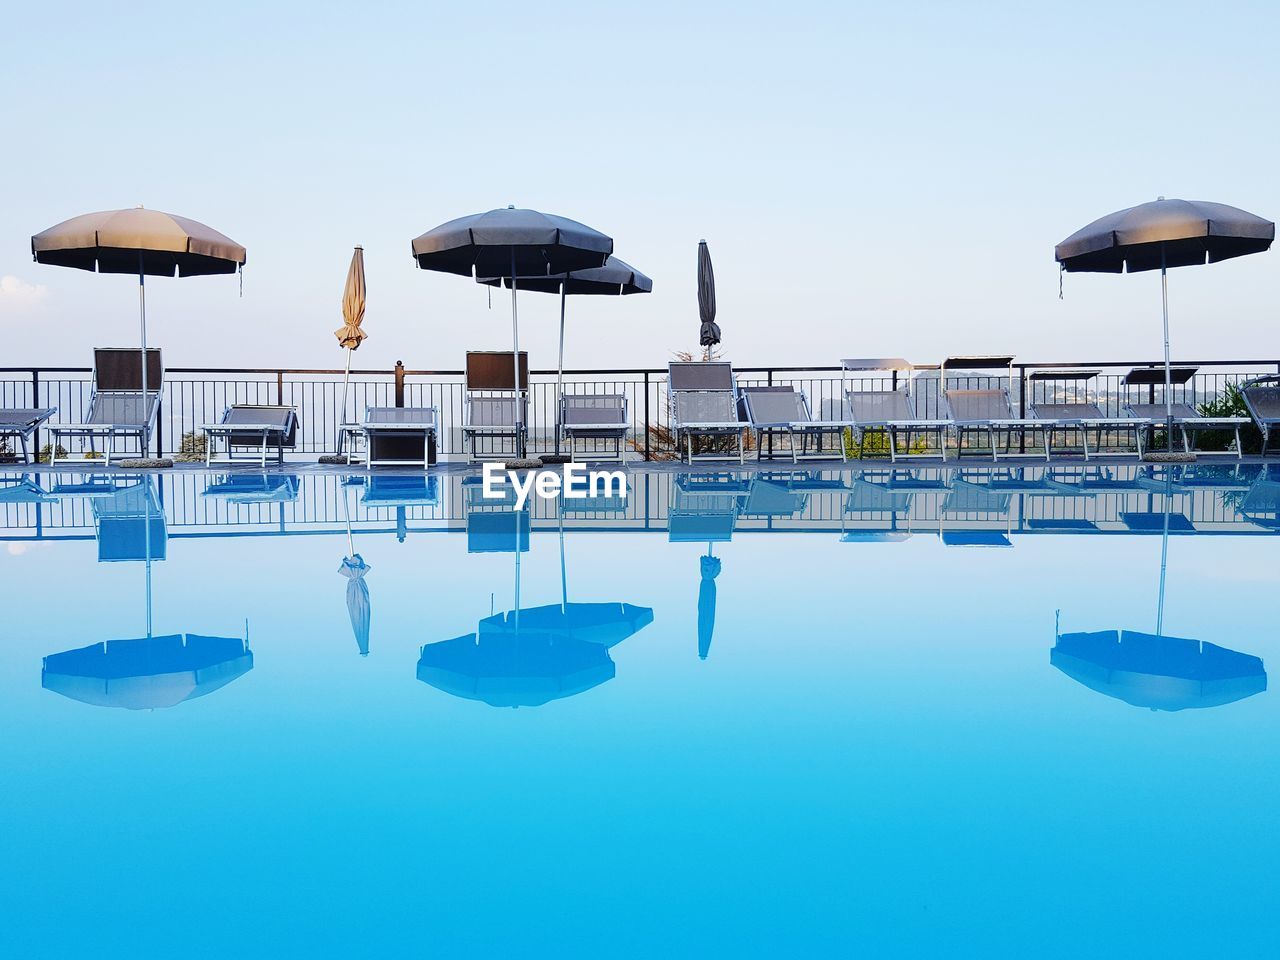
[[880, 712]]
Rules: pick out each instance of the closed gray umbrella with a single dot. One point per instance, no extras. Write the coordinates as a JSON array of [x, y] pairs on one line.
[[1162, 234], [709, 333], [145, 242], [512, 243], [616, 278]]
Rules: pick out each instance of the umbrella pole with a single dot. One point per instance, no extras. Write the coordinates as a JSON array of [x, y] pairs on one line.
[[346, 382], [142, 319], [147, 539], [346, 515], [515, 340], [560, 365], [564, 577], [1168, 372], [1164, 552]]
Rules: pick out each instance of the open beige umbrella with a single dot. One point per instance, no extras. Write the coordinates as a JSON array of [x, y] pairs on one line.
[[145, 242], [349, 335]]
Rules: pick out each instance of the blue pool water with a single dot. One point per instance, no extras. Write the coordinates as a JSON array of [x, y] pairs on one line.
[[873, 714]]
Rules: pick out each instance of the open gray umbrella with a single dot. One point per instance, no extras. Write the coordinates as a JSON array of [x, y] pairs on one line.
[[709, 333], [145, 242], [616, 278], [512, 243], [1162, 234]]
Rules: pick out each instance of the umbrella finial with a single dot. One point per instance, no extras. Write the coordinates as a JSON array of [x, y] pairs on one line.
[[511, 206], [1160, 198]]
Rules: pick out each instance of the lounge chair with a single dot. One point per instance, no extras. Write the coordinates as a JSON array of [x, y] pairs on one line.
[[594, 416], [22, 422], [394, 436], [493, 409], [22, 489], [1186, 418], [705, 404], [494, 525], [989, 409], [785, 410], [1262, 398], [888, 411], [255, 427], [1080, 414], [1261, 505], [117, 407]]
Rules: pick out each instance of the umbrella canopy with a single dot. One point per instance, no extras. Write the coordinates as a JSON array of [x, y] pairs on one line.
[[511, 242], [707, 604], [1164, 233], [354, 568], [149, 673], [1160, 673], [349, 335], [507, 669], [615, 278], [709, 334], [138, 241]]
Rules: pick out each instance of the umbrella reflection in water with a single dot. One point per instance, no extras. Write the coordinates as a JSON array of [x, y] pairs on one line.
[[529, 657], [149, 672], [1153, 670]]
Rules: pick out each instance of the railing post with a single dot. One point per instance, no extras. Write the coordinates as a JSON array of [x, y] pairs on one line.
[[646, 428], [35, 402], [280, 388], [399, 383], [1022, 407]]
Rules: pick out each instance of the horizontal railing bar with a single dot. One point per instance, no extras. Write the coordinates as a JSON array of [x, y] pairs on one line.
[[611, 371]]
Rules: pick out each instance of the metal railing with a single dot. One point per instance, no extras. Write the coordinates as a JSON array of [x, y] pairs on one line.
[[195, 395]]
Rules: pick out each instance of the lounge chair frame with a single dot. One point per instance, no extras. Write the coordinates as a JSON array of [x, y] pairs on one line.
[[765, 426], [250, 434], [387, 427], [991, 426], [718, 386], [114, 388], [22, 423], [1186, 419], [490, 387], [1262, 399], [594, 416], [899, 401], [1083, 416]]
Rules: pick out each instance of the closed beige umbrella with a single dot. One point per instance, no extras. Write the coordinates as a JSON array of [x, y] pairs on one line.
[[145, 242], [349, 335]]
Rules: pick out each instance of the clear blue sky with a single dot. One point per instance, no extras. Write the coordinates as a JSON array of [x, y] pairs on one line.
[[874, 179]]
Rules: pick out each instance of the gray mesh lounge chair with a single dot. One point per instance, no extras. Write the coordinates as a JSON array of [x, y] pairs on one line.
[[1080, 414], [1186, 419], [705, 404], [22, 422], [394, 436], [246, 488], [117, 408], [1262, 397], [988, 409], [253, 427], [130, 524], [773, 410], [888, 411], [1188, 422], [596, 416], [493, 409]]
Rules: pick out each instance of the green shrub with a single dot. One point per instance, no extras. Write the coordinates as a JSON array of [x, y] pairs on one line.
[[1229, 403]]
